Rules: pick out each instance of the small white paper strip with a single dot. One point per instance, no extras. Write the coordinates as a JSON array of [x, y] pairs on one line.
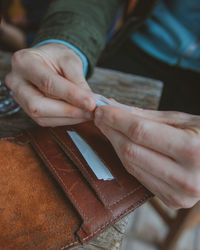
[[103, 101], [92, 159], [100, 100]]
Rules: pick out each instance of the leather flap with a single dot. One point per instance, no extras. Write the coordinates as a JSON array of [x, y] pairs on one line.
[[99, 203], [109, 192]]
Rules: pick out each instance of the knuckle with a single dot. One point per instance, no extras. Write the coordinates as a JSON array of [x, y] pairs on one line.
[[128, 152], [191, 152], [137, 131], [47, 84], [113, 117], [33, 109], [18, 57]]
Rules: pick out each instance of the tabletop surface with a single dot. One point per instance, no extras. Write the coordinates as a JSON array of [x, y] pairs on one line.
[[125, 88]]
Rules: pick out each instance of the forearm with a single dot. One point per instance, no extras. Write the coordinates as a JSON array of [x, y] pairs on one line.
[[12, 36], [81, 23]]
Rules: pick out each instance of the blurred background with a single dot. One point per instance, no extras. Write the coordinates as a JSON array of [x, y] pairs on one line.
[[21, 19], [148, 228]]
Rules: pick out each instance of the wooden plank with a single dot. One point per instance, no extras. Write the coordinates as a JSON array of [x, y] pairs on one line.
[[127, 88]]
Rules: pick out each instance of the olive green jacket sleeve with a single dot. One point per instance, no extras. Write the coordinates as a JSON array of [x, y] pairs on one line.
[[83, 23]]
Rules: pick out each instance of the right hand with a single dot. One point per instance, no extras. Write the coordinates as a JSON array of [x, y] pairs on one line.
[[49, 84]]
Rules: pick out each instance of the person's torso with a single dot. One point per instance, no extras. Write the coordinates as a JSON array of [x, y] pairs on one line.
[[172, 34]]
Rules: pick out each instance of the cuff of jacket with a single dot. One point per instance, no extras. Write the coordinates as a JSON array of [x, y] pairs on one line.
[[74, 30], [69, 45]]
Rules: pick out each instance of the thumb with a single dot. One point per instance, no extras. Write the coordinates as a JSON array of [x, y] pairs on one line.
[[64, 61], [72, 69]]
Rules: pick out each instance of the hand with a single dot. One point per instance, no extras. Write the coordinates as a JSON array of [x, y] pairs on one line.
[[161, 149], [49, 84]]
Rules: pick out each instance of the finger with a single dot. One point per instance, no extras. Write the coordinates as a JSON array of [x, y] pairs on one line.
[[173, 118], [173, 198], [68, 65], [73, 71], [162, 138], [154, 163], [147, 168], [50, 82], [37, 105], [54, 122]]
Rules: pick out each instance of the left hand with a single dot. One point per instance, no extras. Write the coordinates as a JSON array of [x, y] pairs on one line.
[[48, 83], [161, 149]]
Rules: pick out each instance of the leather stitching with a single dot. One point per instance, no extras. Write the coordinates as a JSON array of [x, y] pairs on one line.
[[70, 245], [132, 192], [59, 177], [96, 185], [137, 204], [73, 153], [7, 138]]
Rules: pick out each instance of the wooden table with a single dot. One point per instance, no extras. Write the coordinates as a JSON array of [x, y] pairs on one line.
[[127, 89]]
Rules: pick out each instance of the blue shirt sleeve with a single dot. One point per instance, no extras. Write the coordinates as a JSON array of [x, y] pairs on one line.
[[69, 45]]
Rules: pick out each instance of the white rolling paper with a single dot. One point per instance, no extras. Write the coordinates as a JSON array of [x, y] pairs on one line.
[[93, 160]]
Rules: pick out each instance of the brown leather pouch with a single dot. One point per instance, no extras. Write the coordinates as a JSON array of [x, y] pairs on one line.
[[36, 213]]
